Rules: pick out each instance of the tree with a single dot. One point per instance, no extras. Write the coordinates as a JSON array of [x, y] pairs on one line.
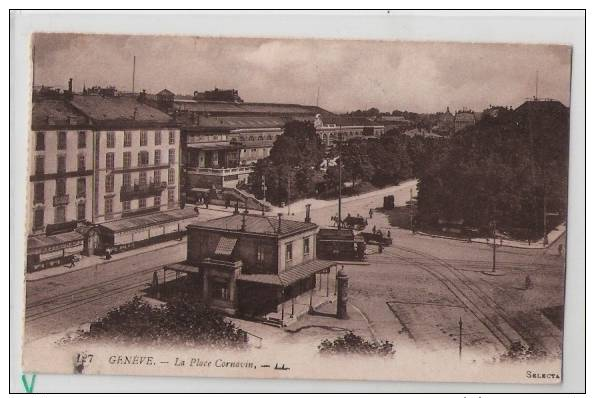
[[351, 343], [501, 169], [295, 157], [182, 321]]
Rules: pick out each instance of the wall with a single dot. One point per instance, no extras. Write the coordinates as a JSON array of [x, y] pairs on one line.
[[134, 149], [202, 244], [297, 250], [50, 154]]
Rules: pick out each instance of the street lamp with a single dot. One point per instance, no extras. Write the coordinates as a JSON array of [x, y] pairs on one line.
[[493, 230]]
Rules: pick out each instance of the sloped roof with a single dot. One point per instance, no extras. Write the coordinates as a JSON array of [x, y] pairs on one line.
[[165, 92], [161, 217], [290, 276], [119, 111], [247, 108], [35, 243], [256, 224], [235, 122], [47, 113]]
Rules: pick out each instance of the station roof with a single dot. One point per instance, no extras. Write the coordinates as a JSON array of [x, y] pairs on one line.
[[247, 108], [236, 122], [256, 224]]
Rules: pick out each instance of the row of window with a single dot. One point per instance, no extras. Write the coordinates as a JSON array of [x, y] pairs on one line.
[[39, 189], [142, 159], [61, 144], [143, 138], [61, 164], [289, 249], [81, 184], [59, 215], [260, 138], [142, 179], [142, 202]]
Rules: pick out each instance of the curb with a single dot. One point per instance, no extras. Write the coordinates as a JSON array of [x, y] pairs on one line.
[[536, 247], [105, 262]]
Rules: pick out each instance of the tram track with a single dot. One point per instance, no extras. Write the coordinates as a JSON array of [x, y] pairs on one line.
[[485, 310], [79, 297]]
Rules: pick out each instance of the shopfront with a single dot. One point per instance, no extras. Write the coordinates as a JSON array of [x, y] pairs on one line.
[[50, 251], [129, 233]]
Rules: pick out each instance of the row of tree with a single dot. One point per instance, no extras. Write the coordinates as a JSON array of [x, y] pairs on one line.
[[510, 168], [293, 170]]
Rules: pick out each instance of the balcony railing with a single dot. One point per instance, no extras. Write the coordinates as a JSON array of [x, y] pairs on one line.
[[220, 171], [61, 200], [138, 167], [136, 191]]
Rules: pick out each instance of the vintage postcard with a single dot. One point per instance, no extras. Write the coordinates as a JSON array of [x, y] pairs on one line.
[[296, 208]]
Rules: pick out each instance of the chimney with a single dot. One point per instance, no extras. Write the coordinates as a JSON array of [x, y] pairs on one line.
[[243, 222], [70, 85], [307, 219], [279, 228]]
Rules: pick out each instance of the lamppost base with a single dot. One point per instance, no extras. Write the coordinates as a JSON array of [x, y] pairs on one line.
[[493, 273]]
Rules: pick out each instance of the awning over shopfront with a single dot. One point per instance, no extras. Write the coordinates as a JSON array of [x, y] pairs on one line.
[[200, 190], [304, 270], [290, 276], [148, 220], [68, 241]]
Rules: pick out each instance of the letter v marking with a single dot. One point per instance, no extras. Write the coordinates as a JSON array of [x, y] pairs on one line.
[[28, 388]]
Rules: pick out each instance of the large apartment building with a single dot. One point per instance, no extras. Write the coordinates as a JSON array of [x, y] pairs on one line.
[[104, 172]]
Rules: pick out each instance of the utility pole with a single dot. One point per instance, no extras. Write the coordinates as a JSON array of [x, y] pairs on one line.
[[264, 193], [545, 242], [340, 163], [289, 194], [411, 210], [493, 227], [460, 337]]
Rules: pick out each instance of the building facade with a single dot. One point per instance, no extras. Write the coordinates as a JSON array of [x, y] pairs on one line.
[[331, 129], [61, 167], [95, 159], [254, 265]]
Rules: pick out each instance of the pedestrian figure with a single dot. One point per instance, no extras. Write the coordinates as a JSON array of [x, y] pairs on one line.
[[374, 229], [388, 233], [196, 210], [560, 249], [528, 282], [500, 241], [108, 253], [72, 262], [380, 248], [371, 212]]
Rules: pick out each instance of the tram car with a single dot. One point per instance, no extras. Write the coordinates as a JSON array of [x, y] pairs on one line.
[[355, 222], [340, 244]]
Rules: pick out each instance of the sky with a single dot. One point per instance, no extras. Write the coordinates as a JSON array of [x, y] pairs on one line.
[[345, 75]]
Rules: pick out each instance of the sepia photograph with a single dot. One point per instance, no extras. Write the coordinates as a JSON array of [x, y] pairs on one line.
[[296, 208]]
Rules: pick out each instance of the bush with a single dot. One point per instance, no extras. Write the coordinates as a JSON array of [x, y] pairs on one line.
[[351, 343], [520, 352], [180, 322]]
